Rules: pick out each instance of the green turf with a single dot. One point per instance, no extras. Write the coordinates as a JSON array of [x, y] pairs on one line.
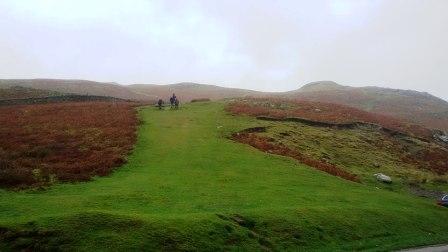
[[187, 187], [363, 151]]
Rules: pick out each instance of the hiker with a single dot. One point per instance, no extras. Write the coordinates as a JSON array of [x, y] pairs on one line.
[[160, 103], [173, 100], [176, 104]]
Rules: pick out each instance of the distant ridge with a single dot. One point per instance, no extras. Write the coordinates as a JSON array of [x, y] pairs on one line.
[[187, 91], [81, 87], [321, 86], [416, 107]]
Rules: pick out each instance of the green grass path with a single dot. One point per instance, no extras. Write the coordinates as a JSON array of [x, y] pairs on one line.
[[184, 171]]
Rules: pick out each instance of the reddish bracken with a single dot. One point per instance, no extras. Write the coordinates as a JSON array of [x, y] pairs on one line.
[[263, 143], [433, 159], [64, 141], [322, 112]]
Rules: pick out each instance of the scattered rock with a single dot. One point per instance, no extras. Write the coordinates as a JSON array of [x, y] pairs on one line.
[[441, 136], [426, 193], [376, 165], [383, 178]]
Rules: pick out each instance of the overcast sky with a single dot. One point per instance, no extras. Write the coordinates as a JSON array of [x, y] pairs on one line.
[[262, 45]]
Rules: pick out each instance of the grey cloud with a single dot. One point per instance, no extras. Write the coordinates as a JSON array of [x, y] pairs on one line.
[[264, 45]]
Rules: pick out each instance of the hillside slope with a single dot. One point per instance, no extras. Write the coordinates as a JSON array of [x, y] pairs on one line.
[[337, 138], [413, 106], [18, 92], [186, 186], [143, 92], [187, 91], [82, 87]]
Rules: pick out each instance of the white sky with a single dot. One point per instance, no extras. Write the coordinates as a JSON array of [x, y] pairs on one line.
[[255, 44]]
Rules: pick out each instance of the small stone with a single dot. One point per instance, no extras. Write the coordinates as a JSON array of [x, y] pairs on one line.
[[383, 178]]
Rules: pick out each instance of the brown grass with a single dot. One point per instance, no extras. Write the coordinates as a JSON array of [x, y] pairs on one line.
[[64, 141], [322, 112], [414, 107], [434, 159], [264, 144]]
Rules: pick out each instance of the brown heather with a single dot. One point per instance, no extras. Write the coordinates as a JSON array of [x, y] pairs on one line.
[[72, 141]]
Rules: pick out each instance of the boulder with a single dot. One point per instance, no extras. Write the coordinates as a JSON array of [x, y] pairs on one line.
[[383, 178]]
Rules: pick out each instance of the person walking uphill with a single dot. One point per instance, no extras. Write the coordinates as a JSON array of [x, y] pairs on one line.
[[174, 101], [176, 104], [160, 103]]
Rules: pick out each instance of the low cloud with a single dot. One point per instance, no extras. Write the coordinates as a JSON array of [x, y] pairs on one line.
[[262, 45]]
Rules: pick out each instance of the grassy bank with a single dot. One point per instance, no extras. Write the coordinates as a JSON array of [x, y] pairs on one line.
[[186, 186]]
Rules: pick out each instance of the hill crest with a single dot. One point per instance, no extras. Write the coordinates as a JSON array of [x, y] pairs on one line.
[[414, 106], [321, 86]]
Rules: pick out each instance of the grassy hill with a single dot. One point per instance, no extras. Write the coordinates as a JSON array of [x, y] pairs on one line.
[[338, 139], [142, 92], [186, 186], [413, 106]]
